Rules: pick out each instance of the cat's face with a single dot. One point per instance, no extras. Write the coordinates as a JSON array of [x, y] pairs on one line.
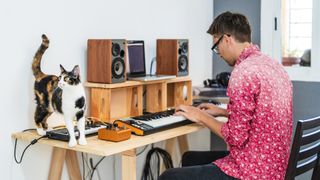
[[69, 78]]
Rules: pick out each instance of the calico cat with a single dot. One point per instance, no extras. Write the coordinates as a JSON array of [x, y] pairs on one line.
[[64, 94]]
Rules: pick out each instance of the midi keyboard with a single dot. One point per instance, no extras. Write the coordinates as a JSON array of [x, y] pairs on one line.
[[153, 122]]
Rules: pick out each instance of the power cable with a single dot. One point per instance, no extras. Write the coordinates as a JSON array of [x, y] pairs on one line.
[[31, 143]]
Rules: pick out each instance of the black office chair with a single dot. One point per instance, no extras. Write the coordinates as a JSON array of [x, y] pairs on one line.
[[307, 133]]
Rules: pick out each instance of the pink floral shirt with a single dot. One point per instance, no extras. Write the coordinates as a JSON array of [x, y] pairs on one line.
[[259, 127]]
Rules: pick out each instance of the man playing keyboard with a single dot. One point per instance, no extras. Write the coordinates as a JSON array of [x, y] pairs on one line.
[[259, 127]]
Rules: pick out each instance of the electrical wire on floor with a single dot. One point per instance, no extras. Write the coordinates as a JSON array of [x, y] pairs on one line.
[[89, 167], [145, 147], [34, 141], [95, 167], [88, 171], [151, 169]]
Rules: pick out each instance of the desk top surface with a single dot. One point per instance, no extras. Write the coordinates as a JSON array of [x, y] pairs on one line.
[[106, 148], [136, 83]]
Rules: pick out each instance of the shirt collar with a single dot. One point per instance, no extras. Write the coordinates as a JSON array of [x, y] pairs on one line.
[[248, 51]]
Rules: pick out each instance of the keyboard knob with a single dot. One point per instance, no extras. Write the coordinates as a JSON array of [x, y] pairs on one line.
[[108, 126], [131, 121]]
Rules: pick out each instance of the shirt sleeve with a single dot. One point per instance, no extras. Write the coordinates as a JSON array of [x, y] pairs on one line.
[[242, 91]]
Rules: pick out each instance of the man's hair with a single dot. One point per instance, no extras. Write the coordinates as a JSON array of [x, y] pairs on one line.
[[235, 24]]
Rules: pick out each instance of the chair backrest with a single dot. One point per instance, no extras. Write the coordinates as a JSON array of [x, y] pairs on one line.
[[305, 148]]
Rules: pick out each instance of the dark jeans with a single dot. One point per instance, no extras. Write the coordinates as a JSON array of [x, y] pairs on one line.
[[199, 172], [198, 165]]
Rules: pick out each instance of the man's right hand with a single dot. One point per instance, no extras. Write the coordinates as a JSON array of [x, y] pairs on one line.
[[213, 109]]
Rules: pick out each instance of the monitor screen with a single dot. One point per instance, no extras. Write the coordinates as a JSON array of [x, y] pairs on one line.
[[136, 57]]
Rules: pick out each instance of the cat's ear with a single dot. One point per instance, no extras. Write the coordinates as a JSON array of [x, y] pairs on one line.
[[62, 69], [76, 70]]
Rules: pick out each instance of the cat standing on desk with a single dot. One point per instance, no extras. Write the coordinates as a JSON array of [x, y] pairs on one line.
[[64, 94]]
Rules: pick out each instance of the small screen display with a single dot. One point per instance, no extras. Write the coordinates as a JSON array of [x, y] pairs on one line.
[[136, 58]]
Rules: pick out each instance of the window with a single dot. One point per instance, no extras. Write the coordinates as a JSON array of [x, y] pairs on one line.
[[296, 32]]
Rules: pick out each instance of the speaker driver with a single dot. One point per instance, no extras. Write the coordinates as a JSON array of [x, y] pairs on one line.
[[115, 49], [183, 63], [118, 68]]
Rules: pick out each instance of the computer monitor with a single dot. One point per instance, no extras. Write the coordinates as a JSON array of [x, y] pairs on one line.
[[136, 57]]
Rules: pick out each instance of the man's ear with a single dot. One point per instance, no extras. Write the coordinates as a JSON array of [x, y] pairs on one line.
[[228, 39]]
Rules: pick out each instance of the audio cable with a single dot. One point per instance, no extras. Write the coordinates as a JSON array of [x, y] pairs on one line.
[[34, 141], [154, 59], [148, 171]]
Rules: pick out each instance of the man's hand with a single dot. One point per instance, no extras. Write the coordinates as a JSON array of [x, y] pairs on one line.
[[199, 116], [192, 113], [213, 110]]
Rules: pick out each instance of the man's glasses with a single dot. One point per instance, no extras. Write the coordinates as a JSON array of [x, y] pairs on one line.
[[215, 46]]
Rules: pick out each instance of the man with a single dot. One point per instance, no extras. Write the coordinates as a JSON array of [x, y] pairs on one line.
[[259, 128]]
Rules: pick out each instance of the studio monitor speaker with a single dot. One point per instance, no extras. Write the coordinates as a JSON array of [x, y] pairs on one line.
[[173, 57], [106, 61]]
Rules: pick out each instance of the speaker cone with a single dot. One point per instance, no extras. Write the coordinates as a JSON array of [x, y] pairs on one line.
[[118, 68], [183, 63], [115, 49]]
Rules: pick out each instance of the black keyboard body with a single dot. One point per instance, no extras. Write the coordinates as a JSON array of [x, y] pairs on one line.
[[63, 134], [142, 125]]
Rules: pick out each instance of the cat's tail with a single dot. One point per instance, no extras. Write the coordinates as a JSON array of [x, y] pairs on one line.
[[36, 64]]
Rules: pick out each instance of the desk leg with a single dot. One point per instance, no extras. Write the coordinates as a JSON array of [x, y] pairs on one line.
[[73, 165], [183, 147], [183, 144], [170, 146], [129, 162], [56, 165]]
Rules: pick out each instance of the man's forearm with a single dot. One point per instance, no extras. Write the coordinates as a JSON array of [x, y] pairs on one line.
[[213, 124]]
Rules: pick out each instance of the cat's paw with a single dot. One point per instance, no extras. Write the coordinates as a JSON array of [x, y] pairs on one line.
[[41, 132], [72, 142], [82, 141]]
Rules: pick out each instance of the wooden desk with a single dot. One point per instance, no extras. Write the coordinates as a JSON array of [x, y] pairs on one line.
[[62, 152], [224, 100]]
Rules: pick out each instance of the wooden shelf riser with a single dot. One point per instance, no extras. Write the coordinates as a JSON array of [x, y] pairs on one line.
[[111, 104]]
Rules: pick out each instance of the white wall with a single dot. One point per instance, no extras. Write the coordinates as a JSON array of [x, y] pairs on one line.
[[69, 24], [269, 42]]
